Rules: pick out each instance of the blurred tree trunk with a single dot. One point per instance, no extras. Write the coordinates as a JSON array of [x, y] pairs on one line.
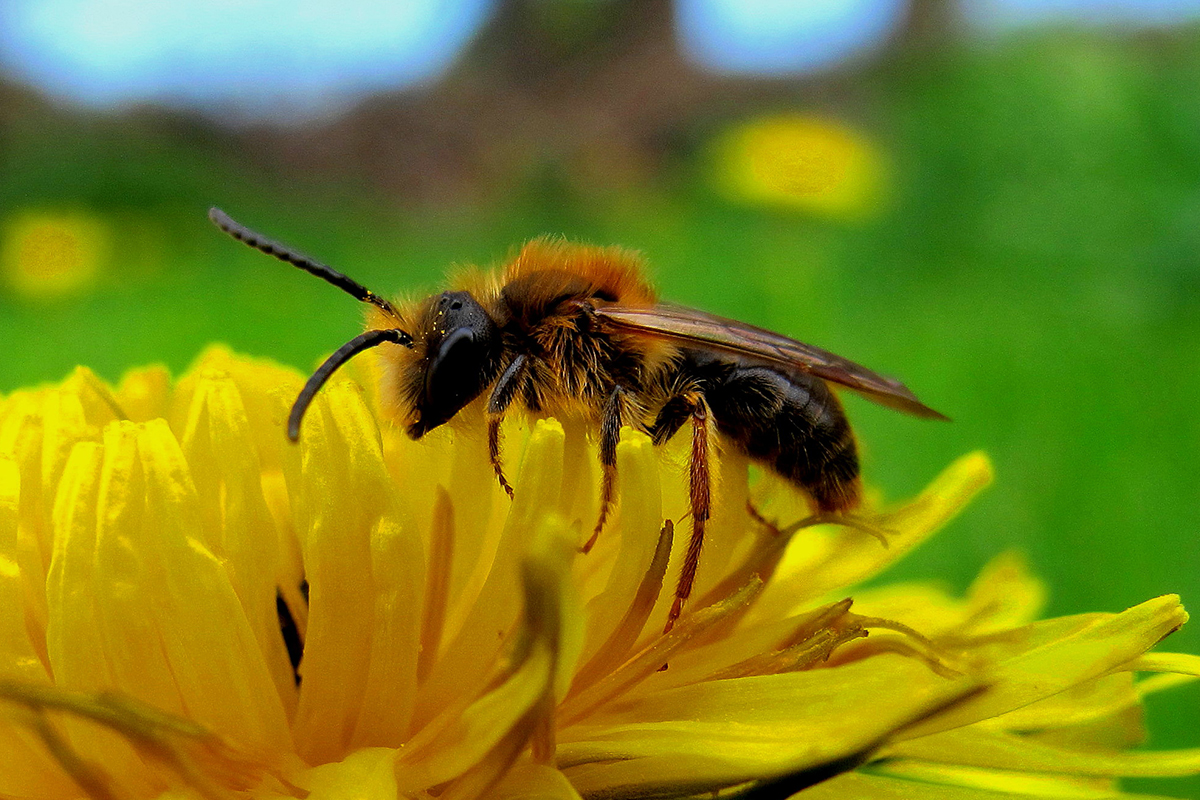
[[599, 93], [928, 25]]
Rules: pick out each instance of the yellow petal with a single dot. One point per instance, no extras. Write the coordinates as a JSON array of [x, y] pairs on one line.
[[74, 637], [267, 391], [708, 735], [237, 525], [138, 602], [905, 780], [1096, 644], [633, 537], [820, 560], [467, 659], [397, 568], [632, 675], [25, 768], [144, 394], [481, 506], [65, 422], [476, 745], [1179, 663], [21, 428], [1077, 705], [18, 658], [366, 774], [977, 747], [1004, 595], [99, 403], [528, 781], [344, 505], [221, 674], [546, 577]]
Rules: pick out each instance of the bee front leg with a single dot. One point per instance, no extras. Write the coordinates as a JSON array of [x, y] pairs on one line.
[[610, 435], [494, 453], [502, 396], [700, 496]]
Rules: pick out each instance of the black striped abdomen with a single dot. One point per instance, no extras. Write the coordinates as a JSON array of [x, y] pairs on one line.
[[792, 423]]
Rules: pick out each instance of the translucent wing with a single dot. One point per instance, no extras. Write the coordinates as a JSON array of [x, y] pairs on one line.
[[690, 327]]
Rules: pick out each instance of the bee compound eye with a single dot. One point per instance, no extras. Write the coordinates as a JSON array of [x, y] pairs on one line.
[[453, 378], [462, 358], [452, 354]]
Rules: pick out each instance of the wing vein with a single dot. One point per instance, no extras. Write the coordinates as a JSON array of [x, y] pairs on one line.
[[689, 326]]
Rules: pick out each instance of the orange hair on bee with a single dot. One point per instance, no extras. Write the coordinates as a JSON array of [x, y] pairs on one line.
[[614, 271]]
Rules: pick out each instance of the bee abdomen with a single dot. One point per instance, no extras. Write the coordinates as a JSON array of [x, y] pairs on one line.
[[793, 424]]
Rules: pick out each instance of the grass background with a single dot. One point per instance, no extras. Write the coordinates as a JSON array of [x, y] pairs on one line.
[[1035, 275]]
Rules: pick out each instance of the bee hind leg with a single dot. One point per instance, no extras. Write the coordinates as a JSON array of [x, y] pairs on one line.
[[756, 515], [837, 497], [857, 522], [700, 495]]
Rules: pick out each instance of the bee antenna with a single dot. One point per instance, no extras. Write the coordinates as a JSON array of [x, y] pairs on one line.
[[297, 259], [344, 353]]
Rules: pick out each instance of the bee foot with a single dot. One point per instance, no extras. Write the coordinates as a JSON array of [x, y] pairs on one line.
[[757, 516], [857, 523]]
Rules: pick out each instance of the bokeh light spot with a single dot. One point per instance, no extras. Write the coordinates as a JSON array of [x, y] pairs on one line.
[[48, 255], [1009, 13], [290, 58], [799, 162], [773, 36]]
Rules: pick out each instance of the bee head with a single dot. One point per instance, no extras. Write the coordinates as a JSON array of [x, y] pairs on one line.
[[462, 354]]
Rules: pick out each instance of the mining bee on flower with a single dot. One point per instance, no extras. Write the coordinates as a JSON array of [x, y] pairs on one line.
[[571, 329]]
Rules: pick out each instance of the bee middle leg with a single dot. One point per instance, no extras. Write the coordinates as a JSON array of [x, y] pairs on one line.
[[501, 397], [610, 436]]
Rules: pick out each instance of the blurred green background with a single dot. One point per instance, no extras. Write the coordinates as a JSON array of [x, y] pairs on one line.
[[1007, 220]]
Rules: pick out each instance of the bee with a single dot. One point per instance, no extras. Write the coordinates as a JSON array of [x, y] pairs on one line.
[[572, 329]]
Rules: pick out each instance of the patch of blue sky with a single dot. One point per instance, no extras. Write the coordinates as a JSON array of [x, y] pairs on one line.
[[767, 37], [254, 57], [1015, 13], [310, 57]]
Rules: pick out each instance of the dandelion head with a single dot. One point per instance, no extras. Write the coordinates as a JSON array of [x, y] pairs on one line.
[[191, 605], [801, 163], [47, 255]]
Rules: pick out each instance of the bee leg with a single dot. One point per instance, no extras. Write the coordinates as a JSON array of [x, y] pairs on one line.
[[610, 435], [494, 453], [674, 413], [502, 395], [758, 517], [700, 490]]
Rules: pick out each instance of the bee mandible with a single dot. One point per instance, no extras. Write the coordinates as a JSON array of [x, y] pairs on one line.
[[568, 329]]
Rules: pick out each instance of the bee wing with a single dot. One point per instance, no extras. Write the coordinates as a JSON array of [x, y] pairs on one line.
[[689, 326]]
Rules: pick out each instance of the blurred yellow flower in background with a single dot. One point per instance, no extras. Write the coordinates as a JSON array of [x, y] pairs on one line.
[[800, 162], [46, 255], [190, 604]]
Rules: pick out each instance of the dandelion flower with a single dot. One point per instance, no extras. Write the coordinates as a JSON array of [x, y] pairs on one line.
[[191, 606], [799, 162], [48, 255]]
